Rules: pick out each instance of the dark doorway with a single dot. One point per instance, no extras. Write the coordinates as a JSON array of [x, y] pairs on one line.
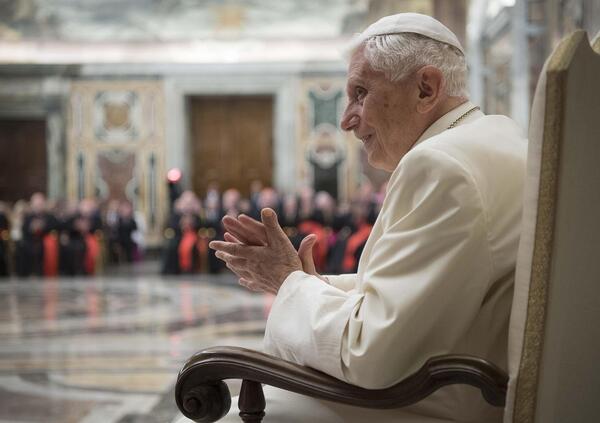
[[231, 141], [23, 158]]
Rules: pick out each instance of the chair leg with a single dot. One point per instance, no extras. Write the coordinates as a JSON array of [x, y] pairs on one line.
[[251, 402]]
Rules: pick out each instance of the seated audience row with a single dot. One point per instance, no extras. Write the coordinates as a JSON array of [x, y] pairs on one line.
[[50, 238], [341, 229], [45, 238]]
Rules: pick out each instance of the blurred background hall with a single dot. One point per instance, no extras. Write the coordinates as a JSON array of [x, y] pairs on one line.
[[128, 128]]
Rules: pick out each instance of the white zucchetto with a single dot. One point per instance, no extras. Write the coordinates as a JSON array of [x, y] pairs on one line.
[[410, 22]]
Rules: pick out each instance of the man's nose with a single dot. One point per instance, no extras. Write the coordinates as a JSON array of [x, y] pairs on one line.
[[350, 119]]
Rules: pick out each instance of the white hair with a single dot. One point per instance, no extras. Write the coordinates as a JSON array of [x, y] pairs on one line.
[[399, 55]]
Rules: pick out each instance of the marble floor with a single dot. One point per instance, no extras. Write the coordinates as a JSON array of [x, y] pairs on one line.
[[108, 349]]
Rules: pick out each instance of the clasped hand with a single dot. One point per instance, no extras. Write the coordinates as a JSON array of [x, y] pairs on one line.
[[261, 254]]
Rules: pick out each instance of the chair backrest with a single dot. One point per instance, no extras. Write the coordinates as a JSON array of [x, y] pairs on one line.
[[554, 339]]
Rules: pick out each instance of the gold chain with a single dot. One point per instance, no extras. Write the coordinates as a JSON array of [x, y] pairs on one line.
[[461, 117]]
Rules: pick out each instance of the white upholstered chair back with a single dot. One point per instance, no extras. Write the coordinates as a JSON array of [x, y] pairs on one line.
[[554, 338]]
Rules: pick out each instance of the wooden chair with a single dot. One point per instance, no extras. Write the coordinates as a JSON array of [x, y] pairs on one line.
[[555, 320]]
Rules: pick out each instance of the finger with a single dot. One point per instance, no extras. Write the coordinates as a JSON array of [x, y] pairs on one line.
[[305, 252], [246, 227], [249, 235], [232, 226], [275, 234], [250, 285], [239, 272], [234, 249], [231, 260], [233, 270], [230, 238], [237, 265], [253, 225]]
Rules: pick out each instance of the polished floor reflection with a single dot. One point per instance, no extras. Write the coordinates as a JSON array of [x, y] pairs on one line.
[[108, 349]]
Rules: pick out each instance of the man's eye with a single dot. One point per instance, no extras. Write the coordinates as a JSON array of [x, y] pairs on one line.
[[360, 93]]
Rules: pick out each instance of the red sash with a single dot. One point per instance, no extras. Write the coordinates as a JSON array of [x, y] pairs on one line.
[[186, 249], [50, 266], [354, 242], [202, 245], [91, 254], [320, 248]]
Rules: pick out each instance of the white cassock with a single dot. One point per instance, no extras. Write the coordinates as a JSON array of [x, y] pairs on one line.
[[435, 277]]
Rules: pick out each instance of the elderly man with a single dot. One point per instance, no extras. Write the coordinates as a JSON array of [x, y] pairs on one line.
[[436, 273]]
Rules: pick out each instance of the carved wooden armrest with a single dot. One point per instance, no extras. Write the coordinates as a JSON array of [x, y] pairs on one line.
[[202, 395]]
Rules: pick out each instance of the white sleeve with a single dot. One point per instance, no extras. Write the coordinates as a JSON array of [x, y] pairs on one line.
[[422, 286], [345, 282], [307, 320]]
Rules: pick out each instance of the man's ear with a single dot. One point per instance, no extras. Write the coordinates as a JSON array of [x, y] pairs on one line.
[[431, 85]]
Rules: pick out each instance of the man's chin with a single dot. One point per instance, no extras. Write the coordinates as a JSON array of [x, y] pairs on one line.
[[379, 164]]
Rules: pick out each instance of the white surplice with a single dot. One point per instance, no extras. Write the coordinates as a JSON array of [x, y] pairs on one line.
[[435, 276]]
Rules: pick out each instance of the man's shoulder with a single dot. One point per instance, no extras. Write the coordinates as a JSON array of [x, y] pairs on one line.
[[487, 153], [486, 132], [482, 145], [425, 166]]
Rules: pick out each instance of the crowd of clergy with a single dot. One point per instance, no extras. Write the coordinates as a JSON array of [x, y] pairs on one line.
[[341, 227], [41, 237], [50, 238]]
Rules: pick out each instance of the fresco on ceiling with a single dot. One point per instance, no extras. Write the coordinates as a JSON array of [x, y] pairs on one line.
[[174, 20]]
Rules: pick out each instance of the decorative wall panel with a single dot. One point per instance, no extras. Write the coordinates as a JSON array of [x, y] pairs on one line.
[[325, 105], [117, 116], [116, 175], [327, 157], [116, 146], [498, 82]]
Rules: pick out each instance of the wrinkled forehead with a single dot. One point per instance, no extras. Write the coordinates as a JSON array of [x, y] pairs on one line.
[[360, 71], [358, 65], [357, 55]]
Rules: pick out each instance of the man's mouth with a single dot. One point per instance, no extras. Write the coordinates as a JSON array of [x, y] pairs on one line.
[[366, 138]]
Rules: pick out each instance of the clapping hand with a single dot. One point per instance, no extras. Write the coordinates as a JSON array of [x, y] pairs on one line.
[[260, 253]]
